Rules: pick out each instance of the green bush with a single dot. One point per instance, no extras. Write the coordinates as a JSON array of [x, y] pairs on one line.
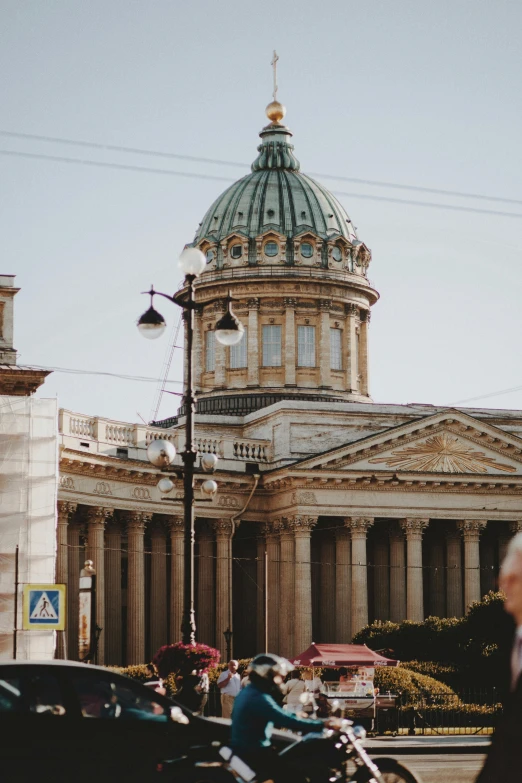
[[445, 673], [411, 686], [138, 672]]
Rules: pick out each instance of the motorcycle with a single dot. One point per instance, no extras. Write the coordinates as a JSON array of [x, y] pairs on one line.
[[334, 756]]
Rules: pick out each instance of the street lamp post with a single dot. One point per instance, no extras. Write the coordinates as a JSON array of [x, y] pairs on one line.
[[228, 642], [228, 331]]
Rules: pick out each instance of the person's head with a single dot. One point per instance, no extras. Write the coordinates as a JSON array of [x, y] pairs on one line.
[[343, 673], [151, 670], [511, 578], [295, 675], [232, 666], [267, 672], [307, 674]]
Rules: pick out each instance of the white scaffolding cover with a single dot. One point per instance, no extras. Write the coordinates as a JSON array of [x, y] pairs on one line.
[[28, 493]]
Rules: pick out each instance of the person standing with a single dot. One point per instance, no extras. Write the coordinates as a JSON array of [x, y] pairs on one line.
[[203, 689], [505, 753], [293, 690], [229, 683]]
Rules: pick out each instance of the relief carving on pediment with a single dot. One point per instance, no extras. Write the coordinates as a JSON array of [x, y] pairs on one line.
[[444, 453]]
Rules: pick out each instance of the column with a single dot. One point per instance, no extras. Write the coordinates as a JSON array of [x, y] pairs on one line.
[[113, 607], [220, 355], [437, 578], [253, 343], [454, 574], [325, 380], [343, 586], [272, 582], [471, 530], [397, 575], [302, 526], [176, 527], [363, 348], [287, 615], [136, 521], [73, 568], [414, 529], [205, 613], [158, 588], [351, 348], [260, 603], [359, 527], [290, 361], [327, 598], [96, 519], [65, 512], [381, 574], [224, 530]]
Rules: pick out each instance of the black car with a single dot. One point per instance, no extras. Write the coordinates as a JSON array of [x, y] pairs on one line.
[[66, 721]]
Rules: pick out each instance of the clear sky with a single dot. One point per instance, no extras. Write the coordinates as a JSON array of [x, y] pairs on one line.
[[410, 92]]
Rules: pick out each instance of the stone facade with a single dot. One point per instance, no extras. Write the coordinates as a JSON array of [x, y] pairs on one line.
[[409, 517]]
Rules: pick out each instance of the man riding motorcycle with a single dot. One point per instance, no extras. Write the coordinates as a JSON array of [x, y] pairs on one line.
[[257, 711]]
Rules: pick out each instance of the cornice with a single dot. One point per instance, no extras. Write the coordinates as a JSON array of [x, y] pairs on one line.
[[135, 471], [108, 467], [407, 482]]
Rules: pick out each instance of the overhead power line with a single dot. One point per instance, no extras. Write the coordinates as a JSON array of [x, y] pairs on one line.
[[122, 376], [485, 396], [236, 164], [195, 175]]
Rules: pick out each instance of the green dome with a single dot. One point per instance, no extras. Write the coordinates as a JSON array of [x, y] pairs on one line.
[[276, 196]]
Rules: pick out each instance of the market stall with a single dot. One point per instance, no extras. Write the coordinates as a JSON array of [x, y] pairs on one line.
[[354, 689]]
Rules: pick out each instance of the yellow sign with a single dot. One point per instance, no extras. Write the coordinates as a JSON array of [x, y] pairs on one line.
[[44, 607]]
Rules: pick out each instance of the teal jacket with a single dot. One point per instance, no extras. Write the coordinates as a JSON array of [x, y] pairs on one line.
[[254, 716]]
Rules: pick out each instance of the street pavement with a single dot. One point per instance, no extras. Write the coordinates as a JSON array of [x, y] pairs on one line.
[[435, 759], [447, 768]]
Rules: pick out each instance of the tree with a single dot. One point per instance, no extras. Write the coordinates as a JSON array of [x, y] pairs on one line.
[[474, 646]]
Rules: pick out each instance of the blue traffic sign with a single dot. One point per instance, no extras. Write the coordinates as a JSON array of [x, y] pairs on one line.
[[44, 607]]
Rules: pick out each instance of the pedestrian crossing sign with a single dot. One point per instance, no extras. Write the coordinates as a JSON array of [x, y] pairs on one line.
[[44, 607]]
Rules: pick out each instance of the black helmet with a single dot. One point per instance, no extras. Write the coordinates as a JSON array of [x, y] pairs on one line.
[[268, 666]]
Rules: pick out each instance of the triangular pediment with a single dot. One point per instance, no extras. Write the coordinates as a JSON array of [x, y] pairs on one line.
[[445, 443]]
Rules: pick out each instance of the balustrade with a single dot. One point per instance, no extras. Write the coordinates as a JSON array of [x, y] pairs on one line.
[[112, 434]]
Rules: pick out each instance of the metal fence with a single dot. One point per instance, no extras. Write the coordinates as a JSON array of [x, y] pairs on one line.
[[471, 711], [467, 712]]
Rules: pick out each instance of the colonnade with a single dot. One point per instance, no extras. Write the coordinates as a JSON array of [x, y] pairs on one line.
[[137, 611], [360, 568]]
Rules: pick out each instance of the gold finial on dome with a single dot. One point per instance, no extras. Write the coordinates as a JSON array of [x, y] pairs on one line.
[[275, 111]]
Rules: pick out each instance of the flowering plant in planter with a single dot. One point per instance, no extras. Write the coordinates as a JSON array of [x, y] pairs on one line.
[[182, 659]]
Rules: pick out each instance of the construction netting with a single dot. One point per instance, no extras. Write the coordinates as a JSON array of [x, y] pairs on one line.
[[28, 493]]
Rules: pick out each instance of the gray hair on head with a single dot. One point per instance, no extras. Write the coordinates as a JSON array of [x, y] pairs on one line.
[[513, 552]]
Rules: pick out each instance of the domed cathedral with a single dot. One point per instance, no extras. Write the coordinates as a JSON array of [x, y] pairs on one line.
[[289, 254], [331, 510]]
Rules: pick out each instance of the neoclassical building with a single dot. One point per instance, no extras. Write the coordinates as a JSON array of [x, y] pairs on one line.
[[331, 510]]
